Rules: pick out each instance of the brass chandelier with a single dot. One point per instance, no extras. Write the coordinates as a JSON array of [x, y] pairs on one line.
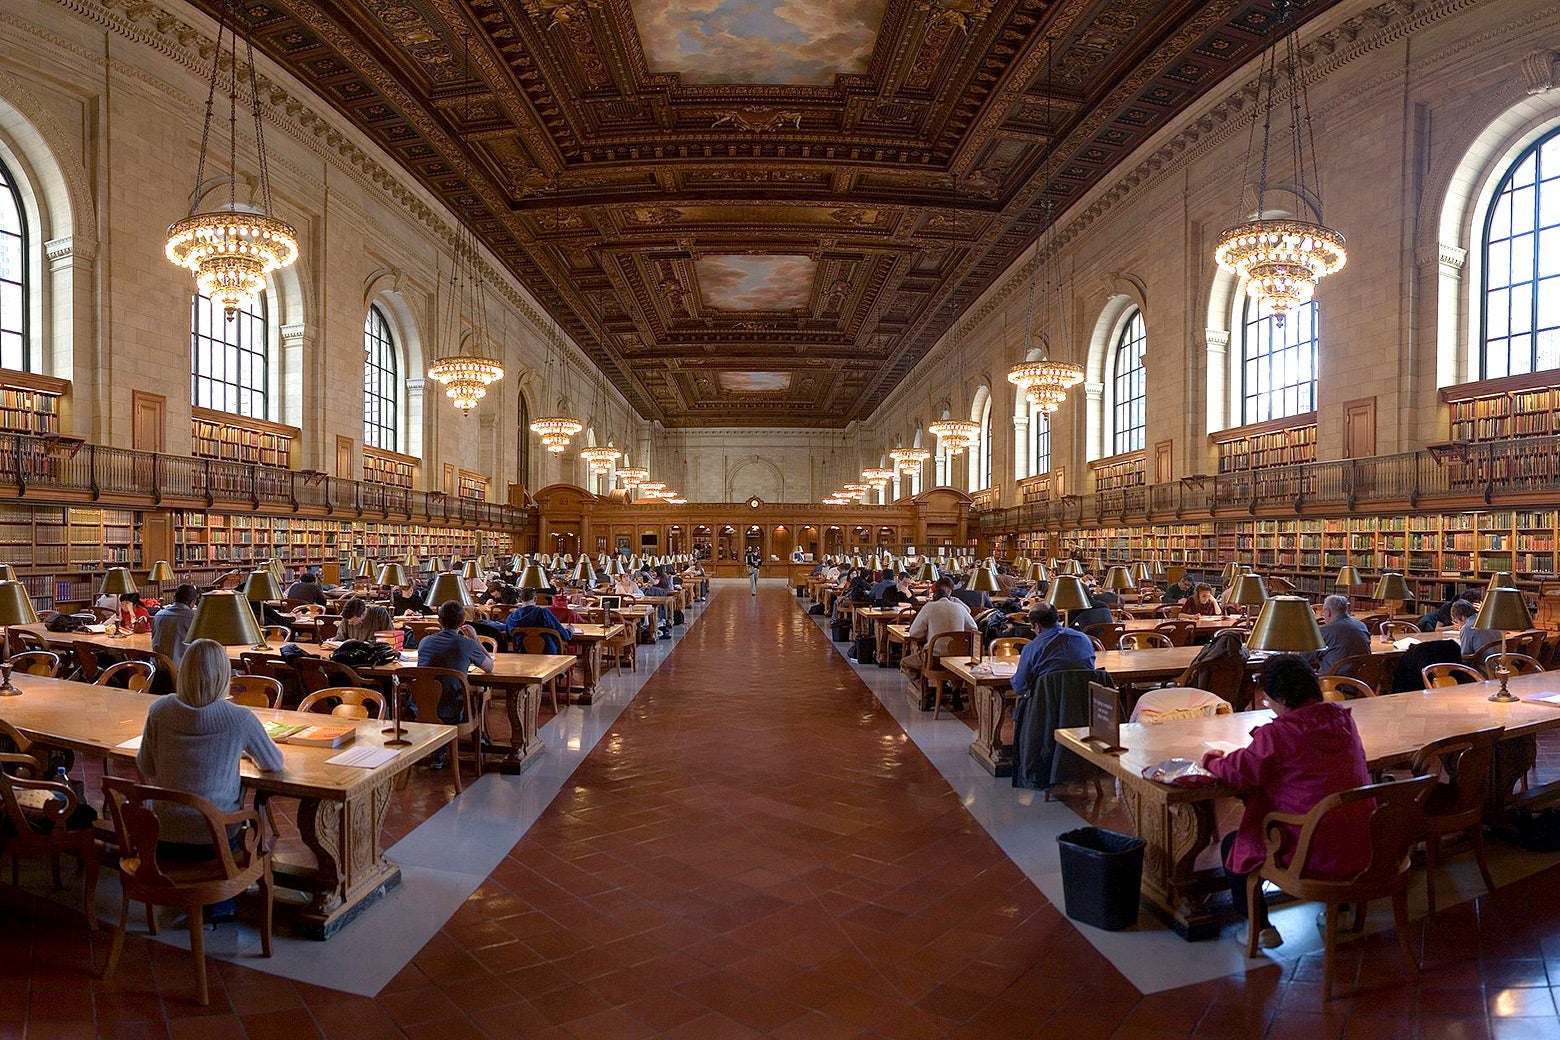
[[909, 460], [467, 370], [600, 459], [231, 250], [558, 429], [1282, 259]]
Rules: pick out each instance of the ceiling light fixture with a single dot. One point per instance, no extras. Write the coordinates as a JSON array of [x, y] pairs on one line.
[[909, 460]]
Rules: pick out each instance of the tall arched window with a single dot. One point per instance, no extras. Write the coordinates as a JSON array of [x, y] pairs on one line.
[[231, 359], [979, 467], [1278, 362], [523, 452], [1040, 427], [15, 351], [1129, 391], [1521, 322], [381, 385]]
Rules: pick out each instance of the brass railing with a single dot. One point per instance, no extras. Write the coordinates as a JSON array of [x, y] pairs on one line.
[[1456, 473], [62, 469]]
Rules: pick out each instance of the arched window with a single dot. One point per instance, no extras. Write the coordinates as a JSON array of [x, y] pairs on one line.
[[15, 351], [1521, 315], [381, 386], [979, 467], [1278, 362], [523, 453], [231, 359], [1040, 427], [1129, 392]]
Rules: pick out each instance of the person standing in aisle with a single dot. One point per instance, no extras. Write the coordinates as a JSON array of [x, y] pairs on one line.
[[754, 561]]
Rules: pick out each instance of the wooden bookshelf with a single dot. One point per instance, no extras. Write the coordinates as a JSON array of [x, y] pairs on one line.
[[234, 438], [1120, 471], [60, 552], [471, 485], [1525, 405], [1035, 489], [30, 403], [390, 468], [1278, 442]]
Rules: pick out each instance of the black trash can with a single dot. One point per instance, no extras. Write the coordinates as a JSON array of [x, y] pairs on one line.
[[1102, 877]]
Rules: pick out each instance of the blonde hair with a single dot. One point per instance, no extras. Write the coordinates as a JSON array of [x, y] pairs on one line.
[[204, 673]]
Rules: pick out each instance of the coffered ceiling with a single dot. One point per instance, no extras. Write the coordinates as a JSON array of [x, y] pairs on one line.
[[758, 212]]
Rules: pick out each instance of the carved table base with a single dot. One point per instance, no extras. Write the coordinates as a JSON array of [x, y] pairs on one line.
[[991, 711], [525, 746]]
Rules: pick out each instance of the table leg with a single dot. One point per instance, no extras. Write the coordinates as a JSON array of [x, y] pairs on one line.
[[592, 659], [1176, 832], [987, 748], [525, 746]]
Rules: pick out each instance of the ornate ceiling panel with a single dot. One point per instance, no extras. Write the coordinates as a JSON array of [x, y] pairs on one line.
[[751, 212]]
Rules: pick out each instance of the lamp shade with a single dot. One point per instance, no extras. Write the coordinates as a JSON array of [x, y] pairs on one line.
[[436, 564], [928, 571], [1074, 567], [1140, 572], [1348, 577], [410, 561], [16, 606], [1286, 625], [1504, 610], [225, 618], [160, 572], [954, 567], [534, 578], [260, 586], [614, 567], [1119, 578], [1249, 591], [584, 572], [1067, 593], [275, 567], [446, 587], [1392, 586], [393, 574], [1230, 571], [7, 572], [983, 579], [1037, 572], [471, 570], [117, 582], [1500, 580]]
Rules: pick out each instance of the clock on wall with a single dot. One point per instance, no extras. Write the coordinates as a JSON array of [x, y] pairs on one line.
[[755, 502]]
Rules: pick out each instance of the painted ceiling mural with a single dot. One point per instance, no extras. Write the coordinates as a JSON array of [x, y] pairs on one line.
[[697, 188], [755, 382], [758, 41]]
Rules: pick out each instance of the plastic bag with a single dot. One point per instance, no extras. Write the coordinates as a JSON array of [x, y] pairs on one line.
[[1179, 772]]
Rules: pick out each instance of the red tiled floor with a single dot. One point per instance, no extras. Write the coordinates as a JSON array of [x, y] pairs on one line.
[[756, 849]]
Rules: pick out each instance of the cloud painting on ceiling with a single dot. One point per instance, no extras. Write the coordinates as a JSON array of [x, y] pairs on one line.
[[755, 382], [758, 41], [755, 283]]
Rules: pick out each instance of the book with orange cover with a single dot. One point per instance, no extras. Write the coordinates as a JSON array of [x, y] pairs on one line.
[[323, 736]]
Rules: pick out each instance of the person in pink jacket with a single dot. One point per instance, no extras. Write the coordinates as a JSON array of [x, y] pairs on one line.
[[1310, 750]]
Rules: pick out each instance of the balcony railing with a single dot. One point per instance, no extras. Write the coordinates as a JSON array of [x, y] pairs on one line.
[[65, 469], [1455, 473]]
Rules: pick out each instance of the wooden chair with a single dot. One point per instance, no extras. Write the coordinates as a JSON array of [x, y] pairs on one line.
[[317, 673], [1396, 822], [1516, 664], [1179, 632], [84, 661], [303, 610], [1439, 675], [1007, 646], [1392, 631], [1344, 688], [1170, 612], [37, 662], [348, 702], [234, 866], [1108, 634], [1169, 703], [255, 662], [1373, 622], [1456, 804], [488, 643], [25, 641], [255, 691], [1530, 642], [127, 675], [949, 644], [1098, 644], [1144, 641], [98, 615], [424, 688], [276, 633], [537, 639], [37, 811], [624, 646], [1370, 669]]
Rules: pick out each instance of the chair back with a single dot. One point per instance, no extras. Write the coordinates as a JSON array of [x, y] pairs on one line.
[[21, 772], [1514, 663], [535, 639], [352, 702], [1169, 703], [303, 610], [1370, 669], [85, 660], [1169, 611], [424, 687], [488, 643], [37, 662], [146, 878], [1395, 630], [1007, 646], [128, 675], [1144, 641], [1179, 631], [1467, 760], [276, 633], [1109, 634], [1343, 688], [255, 691], [949, 644], [1395, 823], [315, 674], [1447, 674], [1530, 642], [1373, 622], [26, 640]]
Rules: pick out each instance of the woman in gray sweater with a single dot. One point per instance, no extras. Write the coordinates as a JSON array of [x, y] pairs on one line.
[[192, 742]]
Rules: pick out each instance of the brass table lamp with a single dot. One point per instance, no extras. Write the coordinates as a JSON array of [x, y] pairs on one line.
[[448, 587], [393, 574], [15, 609], [1504, 610], [1286, 625], [226, 617], [1068, 594]]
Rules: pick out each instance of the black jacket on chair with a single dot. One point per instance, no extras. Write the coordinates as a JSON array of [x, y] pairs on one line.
[[1432, 651], [1056, 700]]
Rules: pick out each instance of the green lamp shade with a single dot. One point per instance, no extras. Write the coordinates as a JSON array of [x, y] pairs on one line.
[[1286, 625], [16, 606], [1037, 572], [393, 574], [275, 567], [1067, 593], [1249, 591], [983, 579], [928, 571], [471, 570], [261, 586], [160, 572], [584, 572], [1230, 571], [1119, 578], [1500, 580], [117, 582], [534, 578], [1504, 610], [446, 587], [1073, 567], [225, 618], [1348, 577], [1392, 586], [1140, 571]]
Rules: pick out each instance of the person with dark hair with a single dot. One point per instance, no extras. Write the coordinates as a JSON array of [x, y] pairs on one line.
[[306, 589], [133, 615], [454, 646], [171, 624], [1202, 602], [354, 620], [1441, 617], [530, 615], [1471, 641], [942, 615], [1310, 750], [1054, 648], [1177, 591]]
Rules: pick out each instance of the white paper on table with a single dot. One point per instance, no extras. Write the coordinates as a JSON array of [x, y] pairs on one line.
[[1405, 642], [363, 757], [96, 630], [133, 744], [1220, 745], [1551, 699], [997, 669]]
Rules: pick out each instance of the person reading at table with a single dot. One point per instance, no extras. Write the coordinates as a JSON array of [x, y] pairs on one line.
[[1471, 641], [171, 624], [192, 743], [1343, 635], [942, 615], [530, 615], [1054, 648], [453, 646], [307, 589], [1310, 750], [1201, 602], [1177, 591]]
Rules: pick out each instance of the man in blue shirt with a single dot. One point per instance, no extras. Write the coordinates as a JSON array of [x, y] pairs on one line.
[[529, 615], [1054, 648], [453, 646], [171, 624]]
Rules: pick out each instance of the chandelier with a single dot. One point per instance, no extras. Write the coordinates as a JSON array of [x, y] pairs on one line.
[[231, 250], [1045, 383], [650, 488], [632, 476], [857, 490], [954, 435], [600, 460], [466, 378], [556, 431], [1281, 259], [909, 460]]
